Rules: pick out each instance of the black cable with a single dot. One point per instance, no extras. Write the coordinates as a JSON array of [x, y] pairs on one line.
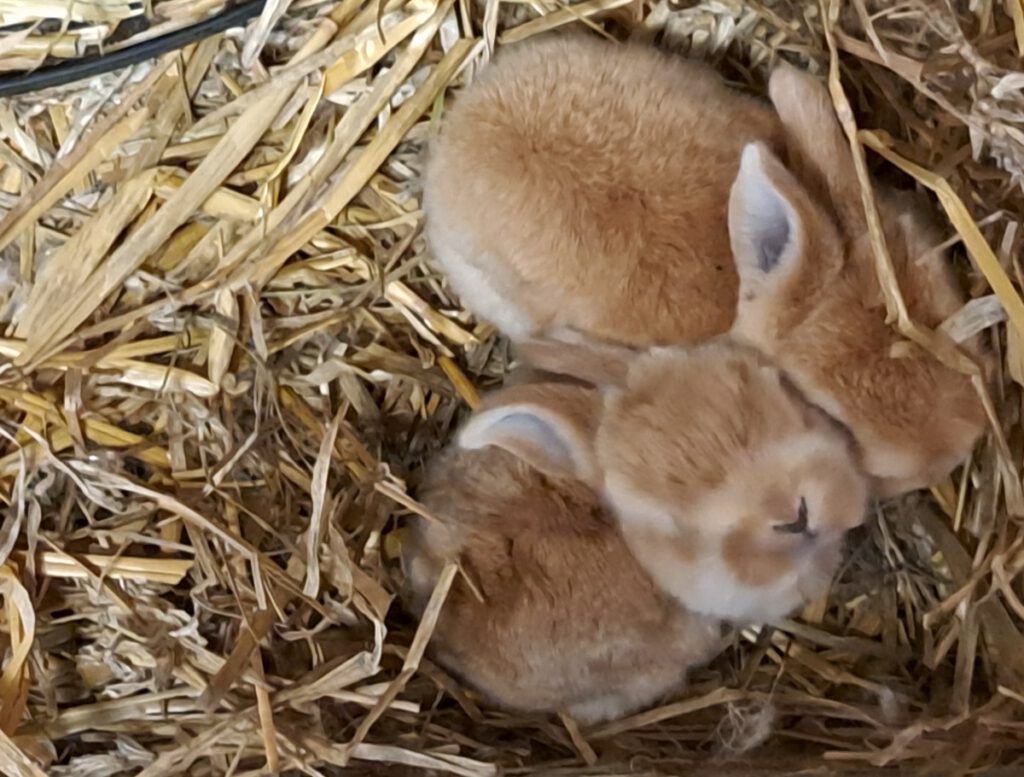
[[87, 67]]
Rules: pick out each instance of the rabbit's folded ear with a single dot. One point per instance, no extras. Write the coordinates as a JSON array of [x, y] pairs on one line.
[[600, 364], [816, 146], [550, 427]]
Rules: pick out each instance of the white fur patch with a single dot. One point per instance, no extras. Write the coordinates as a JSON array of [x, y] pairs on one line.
[[706, 584], [481, 292], [543, 438]]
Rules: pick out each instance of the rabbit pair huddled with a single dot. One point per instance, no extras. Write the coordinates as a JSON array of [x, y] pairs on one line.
[[614, 198]]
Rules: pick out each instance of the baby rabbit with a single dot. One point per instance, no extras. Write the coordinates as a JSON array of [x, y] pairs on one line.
[[568, 620], [581, 187], [731, 492]]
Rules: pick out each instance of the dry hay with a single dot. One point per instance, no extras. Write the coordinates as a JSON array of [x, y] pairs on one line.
[[227, 355]]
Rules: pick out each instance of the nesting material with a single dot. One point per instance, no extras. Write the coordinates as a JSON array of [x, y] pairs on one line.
[[47, 31], [225, 356]]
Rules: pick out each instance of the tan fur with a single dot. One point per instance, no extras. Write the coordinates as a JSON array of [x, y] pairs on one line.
[[582, 182], [584, 187], [597, 521], [569, 620], [710, 441], [698, 451], [914, 419]]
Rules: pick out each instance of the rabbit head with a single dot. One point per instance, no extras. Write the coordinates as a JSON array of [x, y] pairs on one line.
[[732, 492], [810, 299]]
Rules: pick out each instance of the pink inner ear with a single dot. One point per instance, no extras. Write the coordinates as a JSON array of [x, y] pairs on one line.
[[771, 244], [762, 222], [535, 441], [539, 436]]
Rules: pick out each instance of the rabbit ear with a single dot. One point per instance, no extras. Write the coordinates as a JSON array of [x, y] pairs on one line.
[[816, 146], [765, 227], [599, 364], [550, 427], [786, 246]]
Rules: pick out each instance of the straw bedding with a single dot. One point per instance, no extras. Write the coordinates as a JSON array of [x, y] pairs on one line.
[[226, 355]]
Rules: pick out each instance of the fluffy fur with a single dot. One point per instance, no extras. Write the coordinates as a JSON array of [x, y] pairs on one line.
[[580, 186], [822, 318], [568, 620], [609, 527], [704, 455]]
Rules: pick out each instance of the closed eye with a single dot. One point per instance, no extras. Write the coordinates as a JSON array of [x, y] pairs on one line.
[[799, 526]]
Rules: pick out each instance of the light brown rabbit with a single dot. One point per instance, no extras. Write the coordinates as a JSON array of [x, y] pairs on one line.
[[584, 187], [581, 184], [567, 620], [732, 493]]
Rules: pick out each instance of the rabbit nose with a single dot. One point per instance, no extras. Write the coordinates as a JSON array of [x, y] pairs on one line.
[[800, 525]]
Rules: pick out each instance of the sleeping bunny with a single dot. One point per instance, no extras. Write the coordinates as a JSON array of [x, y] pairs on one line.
[[613, 193], [610, 523]]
